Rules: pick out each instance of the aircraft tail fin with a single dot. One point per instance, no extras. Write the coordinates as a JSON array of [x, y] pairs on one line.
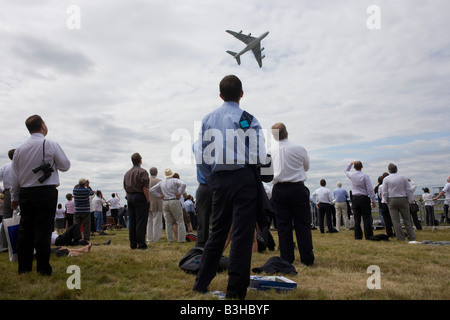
[[236, 56]]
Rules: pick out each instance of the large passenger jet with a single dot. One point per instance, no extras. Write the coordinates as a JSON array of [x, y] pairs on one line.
[[252, 43]]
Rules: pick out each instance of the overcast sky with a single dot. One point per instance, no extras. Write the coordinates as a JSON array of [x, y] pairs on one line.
[[111, 78]]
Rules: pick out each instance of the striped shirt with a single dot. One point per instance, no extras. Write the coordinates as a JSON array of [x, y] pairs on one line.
[[81, 197]]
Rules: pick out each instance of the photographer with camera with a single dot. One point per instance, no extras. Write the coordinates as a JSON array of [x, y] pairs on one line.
[[35, 180]]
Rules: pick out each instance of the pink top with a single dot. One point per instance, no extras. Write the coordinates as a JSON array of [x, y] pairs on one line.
[[70, 207]]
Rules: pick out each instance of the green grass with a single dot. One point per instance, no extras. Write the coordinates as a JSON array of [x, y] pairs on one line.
[[114, 272]]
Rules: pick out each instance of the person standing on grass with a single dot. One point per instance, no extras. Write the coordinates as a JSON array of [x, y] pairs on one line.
[[340, 204], [35, 179], [384, 208], [136, 184], [7, 212], [155, 213], [290, 196], [232, 160], [114, 204], [170, 189], [397, 191], [362, 196], [70, 210], [81, 194], [446, 191], [429, 207], [324, 204]]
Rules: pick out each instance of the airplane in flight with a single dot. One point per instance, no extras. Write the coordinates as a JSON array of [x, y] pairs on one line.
[[252, 43]]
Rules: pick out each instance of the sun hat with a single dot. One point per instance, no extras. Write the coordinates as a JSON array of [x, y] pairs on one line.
[[168, 173]]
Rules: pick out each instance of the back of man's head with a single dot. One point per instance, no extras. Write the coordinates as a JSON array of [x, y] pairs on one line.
[[153, 171], [279, 131], [392, 168], [358, 165], [136, 158], [34, 123], [230, 88], [323, 183]]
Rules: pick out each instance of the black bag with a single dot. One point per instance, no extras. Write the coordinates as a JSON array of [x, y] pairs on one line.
[[413, 207], [191, 261], [379, 237], [276, 265]]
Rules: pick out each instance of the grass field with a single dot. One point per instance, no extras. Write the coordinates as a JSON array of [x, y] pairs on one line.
[[114, 272]]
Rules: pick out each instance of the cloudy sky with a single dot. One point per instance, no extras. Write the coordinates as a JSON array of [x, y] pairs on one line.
[[111, 78]]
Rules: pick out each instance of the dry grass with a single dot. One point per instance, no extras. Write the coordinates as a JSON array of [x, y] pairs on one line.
[[114, 272]]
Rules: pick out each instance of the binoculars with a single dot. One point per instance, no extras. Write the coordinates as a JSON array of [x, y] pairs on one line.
[[46, 169]]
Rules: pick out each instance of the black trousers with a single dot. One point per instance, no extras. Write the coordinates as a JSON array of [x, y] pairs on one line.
[[291, 201], [37, 217], [203, 206], [362, 210], [70, 237], [387, 220], [325, 209], [138, 215], [233, 204]]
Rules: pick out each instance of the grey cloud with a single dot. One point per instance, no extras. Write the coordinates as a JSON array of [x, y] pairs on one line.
[[40, 53]]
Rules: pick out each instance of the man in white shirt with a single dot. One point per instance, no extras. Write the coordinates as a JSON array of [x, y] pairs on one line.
[[291, 197], [445, 191], [114, 204], [5, 176], [324, 200], [397, 192], [362, 194], [35, 180], [170, 190]]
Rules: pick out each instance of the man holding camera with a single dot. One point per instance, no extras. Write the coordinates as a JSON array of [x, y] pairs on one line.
[[34, 181]]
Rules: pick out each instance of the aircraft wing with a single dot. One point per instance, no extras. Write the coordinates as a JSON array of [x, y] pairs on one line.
[[243, 37], [257, 52]]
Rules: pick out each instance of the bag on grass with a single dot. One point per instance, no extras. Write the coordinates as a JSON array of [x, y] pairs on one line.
[[191, 261], [11, 228]]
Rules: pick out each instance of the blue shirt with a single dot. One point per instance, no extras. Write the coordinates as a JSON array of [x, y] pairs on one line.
[[228, 144], [340, 195], [203, 170]]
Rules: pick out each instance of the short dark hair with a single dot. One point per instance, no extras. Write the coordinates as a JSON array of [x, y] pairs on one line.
[[34, 123], [323, 183], [11, 153], [136, 158], [153, 171], [358, 165], [230, 88], [392, 168]]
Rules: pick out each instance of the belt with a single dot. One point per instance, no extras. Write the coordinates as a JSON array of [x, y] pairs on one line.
[[299, 182], [46, 186], [170, 199]]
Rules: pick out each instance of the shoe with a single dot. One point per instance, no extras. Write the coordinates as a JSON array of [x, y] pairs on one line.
[[413, 242]]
